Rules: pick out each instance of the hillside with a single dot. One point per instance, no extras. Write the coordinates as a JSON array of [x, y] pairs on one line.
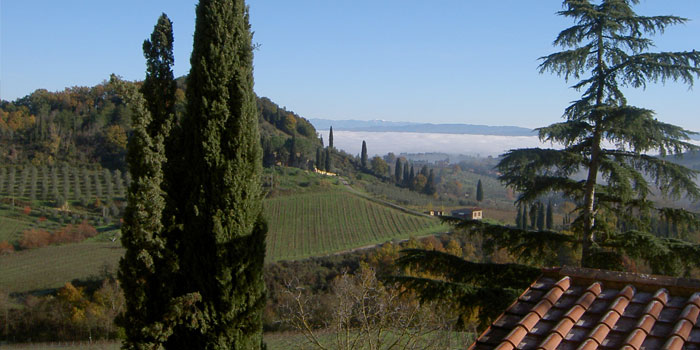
[[387, 126], [308, 215]]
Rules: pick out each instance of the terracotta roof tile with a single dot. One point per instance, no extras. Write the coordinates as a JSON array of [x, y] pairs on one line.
[[575, 308]]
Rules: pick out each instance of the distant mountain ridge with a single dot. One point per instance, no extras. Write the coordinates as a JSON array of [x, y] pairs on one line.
[[389, 126]]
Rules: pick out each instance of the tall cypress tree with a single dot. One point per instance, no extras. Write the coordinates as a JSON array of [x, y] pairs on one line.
[[222, 233], [398, 171], [318, 159], [540, 217], [406, 176], [550, 216], [330, 138], [363, 155], [328, 160], [146, 271], [479, 192]]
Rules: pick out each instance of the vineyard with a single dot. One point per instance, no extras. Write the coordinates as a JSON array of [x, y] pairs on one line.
[[320, 223]]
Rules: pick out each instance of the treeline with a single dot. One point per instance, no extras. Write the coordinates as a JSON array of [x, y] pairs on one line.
[[87, 125]]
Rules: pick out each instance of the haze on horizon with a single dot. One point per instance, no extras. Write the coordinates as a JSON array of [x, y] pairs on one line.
[[414, 61]]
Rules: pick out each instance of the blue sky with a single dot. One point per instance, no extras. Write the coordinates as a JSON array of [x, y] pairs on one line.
[[441, 61]]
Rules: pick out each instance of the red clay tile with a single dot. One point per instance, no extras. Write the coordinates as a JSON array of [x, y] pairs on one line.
[[563, 327], [690, 313], [636, 338], [674, 343], [551, 343], [599, 333], [628, 292], [646, 323], [682, 329], [516, 335], [588, 344], [542, 307], [620, 304], [596, 288], [586, 299], [695, 299], [553, 295], [530, 320], [661, 295], [505, 346], [654, 309], [575, 313], [610, 318], [563, 284]]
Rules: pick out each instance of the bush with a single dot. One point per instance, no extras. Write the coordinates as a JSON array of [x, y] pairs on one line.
[[6, 248], [34, 238]]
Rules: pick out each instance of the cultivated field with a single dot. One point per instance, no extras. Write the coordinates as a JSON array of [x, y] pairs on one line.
[[302, 225], [320, 223]]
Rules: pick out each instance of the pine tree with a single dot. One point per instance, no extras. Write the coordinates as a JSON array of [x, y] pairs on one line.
[[398, 171], [363, 155], [330, 138], [479, 192], [222, 236], [550, 216], [608, 46]]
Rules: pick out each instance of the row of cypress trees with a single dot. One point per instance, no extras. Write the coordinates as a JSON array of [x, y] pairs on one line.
[[193, 228]]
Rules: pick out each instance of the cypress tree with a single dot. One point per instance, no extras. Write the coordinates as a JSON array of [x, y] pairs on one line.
[[406, 176], [363, 155], [519, 217], [330, 138], [222, 236], [146, 271], [550, 216], [328, 161], [411, 176], [540, 217], [318, 159], [430, 184], [398, 171], [479, 192], [525, 217]]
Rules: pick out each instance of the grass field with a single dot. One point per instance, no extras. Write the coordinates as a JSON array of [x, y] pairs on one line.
[[302, 225], [325, 222], [53, 266]]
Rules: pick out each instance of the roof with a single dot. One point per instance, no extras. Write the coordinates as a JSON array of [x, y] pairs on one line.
[[582, 309]]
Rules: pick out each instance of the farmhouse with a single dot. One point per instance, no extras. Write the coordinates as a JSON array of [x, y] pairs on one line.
[[468, 213]]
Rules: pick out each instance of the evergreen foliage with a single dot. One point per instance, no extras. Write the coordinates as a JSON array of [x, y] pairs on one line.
[[549, 222], [328, 159], [363, 155], [398, 171], [479, 192], [330, 138], [608, 44], [221, 235]]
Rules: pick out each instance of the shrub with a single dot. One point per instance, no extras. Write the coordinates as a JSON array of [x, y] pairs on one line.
[[34, 238], [6, 248]]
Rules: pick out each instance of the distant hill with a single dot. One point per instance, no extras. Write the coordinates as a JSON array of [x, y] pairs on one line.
[[388, 126]]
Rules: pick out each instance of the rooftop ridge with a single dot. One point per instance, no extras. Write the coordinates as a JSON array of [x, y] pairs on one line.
[[617, 279]]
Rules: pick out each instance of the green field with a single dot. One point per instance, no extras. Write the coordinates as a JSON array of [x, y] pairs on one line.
[[308, 224], [53, 266], [320, 223]]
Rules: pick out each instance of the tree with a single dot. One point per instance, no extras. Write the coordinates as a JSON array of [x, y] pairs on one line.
[[608, 44], [550, 216], [330, 138], [540, 216], [398, 171], [519, 217], [221, 239], [318, 159], [147, 269], [430, 188], [379, 166], [363, 155], [328, 159], [479, 192]]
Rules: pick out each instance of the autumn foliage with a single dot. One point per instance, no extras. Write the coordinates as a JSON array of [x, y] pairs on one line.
[[36, 238], [6, 248]]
